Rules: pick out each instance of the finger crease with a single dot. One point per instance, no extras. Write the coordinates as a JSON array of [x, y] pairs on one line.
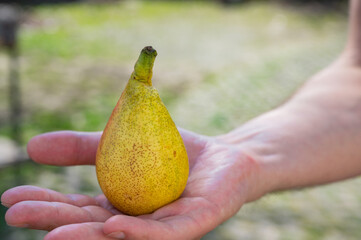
[[91, 218]]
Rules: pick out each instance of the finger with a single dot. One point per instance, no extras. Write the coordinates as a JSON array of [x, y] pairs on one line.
[[196, 215], [188, 218], [104, 203], [64, 148], [49, 215], [33, 193], [82, 231], [134, 228]]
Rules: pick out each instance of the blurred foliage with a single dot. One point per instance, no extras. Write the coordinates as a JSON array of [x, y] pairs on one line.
[[37, 2], [77, 58], [216, 69]]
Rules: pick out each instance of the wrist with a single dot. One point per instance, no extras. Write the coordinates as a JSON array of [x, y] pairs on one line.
[[257, 143], [262, 180], [350, 57]]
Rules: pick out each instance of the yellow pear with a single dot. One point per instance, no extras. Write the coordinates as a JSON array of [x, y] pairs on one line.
[[141, 162]]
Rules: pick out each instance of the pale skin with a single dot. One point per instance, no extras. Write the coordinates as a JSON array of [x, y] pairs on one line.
[[312, 139]]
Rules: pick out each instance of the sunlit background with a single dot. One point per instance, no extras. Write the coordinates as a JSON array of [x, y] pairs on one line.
[[219, 64]]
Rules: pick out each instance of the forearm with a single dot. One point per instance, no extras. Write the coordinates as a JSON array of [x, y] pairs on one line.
[[323, 121], [315, 138], [353, 46]]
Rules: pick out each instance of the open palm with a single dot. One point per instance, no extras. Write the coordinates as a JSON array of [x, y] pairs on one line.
[[217, 187]]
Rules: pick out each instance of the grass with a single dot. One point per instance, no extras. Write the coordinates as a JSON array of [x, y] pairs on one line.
[[217, 68], [78, 58]]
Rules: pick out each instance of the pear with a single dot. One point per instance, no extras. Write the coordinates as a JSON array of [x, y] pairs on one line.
[[141, 161]]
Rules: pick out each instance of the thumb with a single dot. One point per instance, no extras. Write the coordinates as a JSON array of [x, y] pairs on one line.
[[132, 228]]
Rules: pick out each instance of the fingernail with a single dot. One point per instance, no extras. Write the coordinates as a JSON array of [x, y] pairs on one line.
[[117, 235]]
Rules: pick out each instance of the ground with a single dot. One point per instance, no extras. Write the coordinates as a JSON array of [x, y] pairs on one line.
[[216, 68]]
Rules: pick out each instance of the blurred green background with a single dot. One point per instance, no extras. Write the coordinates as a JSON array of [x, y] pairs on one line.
[[217, 67]]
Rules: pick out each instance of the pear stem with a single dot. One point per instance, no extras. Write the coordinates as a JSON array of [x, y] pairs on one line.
[[143, 68]]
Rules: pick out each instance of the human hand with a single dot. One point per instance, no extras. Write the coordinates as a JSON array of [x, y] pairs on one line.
[[220, 181]]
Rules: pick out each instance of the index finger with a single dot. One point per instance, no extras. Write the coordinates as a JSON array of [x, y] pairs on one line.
[[67, 148], [64, 148]]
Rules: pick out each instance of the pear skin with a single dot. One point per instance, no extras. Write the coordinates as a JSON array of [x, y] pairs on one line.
[[141, 161]]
